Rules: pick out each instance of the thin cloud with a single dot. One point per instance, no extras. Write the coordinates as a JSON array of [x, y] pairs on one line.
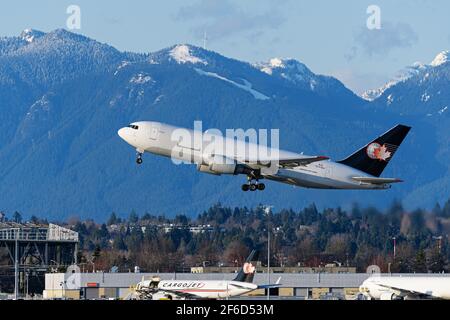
[[207, 8], [381, 42], [113, 21], [224, 19]]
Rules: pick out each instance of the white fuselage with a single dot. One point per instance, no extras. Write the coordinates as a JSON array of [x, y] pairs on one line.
[[387, 287], [157, 138], [206, 289]]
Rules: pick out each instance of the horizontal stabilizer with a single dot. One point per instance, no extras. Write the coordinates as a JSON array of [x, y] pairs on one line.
[[269, 286], [374, 180]]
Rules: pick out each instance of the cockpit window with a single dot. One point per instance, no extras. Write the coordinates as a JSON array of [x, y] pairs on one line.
[[132, 126]]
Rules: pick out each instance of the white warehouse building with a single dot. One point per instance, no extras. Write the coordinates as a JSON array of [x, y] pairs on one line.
[[119, 285]]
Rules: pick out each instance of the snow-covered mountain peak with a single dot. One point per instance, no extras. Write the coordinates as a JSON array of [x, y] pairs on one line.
[[29, 35], [293, 71], [298, 74], [416, 69], [401, 76], [273, 63], [65, 35], [441, 58], [71, 44], [283, 65], [182, 54], [276, 63]]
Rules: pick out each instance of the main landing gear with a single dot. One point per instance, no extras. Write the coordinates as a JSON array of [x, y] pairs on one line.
[[253, 185]]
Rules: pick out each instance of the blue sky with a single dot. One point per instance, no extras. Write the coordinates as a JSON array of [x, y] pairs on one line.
[[330, 37]]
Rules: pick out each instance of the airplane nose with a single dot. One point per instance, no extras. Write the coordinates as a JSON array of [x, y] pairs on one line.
[[122, 133]]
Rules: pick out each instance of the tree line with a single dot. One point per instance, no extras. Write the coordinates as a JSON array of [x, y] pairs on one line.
[[309, 237]]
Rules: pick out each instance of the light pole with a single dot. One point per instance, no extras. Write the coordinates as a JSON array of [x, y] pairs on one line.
[[267, 210], [16, 269], [63, 284], [395, 244], [26, 283], [93, 265]]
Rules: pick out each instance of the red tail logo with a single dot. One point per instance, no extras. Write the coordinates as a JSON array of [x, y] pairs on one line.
[[248, 268], [378, 152]]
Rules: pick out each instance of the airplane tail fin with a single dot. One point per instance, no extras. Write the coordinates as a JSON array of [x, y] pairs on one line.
[[247, 272], [375, 156]]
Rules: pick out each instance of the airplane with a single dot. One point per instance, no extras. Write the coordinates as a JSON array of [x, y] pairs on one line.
[[406, 288], [359, 171], [155, 289]]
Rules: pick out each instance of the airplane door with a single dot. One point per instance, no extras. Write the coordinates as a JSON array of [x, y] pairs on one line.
[[154, 132]]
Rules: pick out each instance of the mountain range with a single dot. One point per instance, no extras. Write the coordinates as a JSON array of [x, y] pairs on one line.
[[63, 97]]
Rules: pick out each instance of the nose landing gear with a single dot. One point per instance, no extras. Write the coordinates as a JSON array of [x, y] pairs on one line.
[[139, 158]]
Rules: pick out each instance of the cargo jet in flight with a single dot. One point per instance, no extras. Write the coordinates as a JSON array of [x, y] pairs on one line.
[[360, 171]]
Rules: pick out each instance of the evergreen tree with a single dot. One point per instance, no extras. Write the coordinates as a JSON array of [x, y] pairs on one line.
[[147, 217], [96, 254], [436, 262], [420, 263], [446, 210], [112, 219], [181, 220], [103, 233], [119, 243], [17, 217], [133, 218], [437, 210], [34, 219]]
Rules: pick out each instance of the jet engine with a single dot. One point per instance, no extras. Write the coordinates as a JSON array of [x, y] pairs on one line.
[[219, 165], [388, 296], [206, 169]]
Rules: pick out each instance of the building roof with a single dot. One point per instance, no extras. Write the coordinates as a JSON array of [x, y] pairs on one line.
[[11, 224], [11, 231]]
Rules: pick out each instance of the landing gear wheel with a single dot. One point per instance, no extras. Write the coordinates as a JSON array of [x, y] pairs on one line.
[[139, 160], [253, 183]]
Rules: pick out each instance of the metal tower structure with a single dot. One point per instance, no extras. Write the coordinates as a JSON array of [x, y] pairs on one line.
[[36, 249]]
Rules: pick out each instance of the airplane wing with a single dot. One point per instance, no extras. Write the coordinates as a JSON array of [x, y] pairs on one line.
[[181, 294], [374, 180], [414, 291], [292, 163], [285, 163]]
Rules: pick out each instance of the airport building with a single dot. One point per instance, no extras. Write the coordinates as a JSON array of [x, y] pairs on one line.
[[120, 285], [329, 268], [31, 250]]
